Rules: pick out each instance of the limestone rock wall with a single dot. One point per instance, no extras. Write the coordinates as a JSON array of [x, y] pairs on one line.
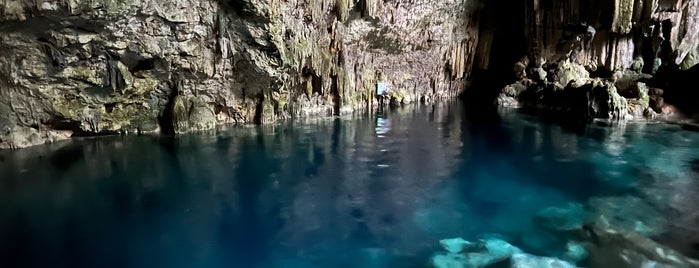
[[606, 58], [614, 34], [72, 67]]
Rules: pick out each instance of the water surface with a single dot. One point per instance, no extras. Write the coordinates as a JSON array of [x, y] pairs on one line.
[[375, 189]]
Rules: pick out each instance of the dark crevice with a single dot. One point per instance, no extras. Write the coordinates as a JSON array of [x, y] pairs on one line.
[[244, 10], [109, 107], [317, 84], [166, 118], [55, 55], [601, 73], [336, 95], [136, 62], [258, 110], [509, 45], [143, 65], [316, 81], [65, 124]]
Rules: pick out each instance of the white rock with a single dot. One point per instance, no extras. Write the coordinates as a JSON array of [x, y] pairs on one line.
[[455, 245]]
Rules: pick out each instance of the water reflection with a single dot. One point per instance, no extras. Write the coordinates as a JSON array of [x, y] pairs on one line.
[[372, 190]]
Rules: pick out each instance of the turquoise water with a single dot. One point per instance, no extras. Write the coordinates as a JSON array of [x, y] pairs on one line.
[[371, 190]]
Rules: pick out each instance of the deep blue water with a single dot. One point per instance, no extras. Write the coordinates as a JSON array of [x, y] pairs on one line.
[[371, 190]]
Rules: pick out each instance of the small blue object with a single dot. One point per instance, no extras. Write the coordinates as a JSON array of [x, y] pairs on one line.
[[382, 88]]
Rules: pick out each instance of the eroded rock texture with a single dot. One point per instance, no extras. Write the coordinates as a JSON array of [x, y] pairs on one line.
[[72, 67], [614, 34], [597, 58]]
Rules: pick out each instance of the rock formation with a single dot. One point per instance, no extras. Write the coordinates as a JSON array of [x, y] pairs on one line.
[[605, 52], [90, 67], [73, 67]]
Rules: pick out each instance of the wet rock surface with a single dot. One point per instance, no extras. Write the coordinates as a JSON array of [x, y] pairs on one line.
[[98, 67]]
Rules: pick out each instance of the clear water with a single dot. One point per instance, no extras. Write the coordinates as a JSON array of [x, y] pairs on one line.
[[370, 190]]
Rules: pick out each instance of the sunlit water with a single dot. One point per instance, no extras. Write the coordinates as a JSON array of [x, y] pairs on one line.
[[372, 190]]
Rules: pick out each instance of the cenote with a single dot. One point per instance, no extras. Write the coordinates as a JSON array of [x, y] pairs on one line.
[[374, 189]]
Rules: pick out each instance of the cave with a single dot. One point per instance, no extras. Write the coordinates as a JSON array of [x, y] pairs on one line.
[[336, 133]]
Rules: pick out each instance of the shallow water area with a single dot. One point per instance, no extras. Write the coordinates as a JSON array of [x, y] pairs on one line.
[[375, 189]]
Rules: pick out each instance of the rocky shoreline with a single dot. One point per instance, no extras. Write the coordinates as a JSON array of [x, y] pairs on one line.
[[97, 67]]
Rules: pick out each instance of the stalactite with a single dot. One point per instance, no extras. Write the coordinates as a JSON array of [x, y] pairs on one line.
[[623, 15], [342, 8]]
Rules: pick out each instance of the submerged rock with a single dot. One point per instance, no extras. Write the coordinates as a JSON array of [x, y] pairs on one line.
[[627, 249], [627, 213], [575, 252], [524, 260], [455, 245], [569, 216], [494, 252]]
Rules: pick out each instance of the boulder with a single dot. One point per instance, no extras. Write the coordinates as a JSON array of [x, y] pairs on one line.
[[569, 72]]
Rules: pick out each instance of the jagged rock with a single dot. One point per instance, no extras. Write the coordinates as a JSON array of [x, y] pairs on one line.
[[106, 66], [510, 94], [667, 30], [638, 99], [192, 114], [114, 66], [573, 74], [594, 99]]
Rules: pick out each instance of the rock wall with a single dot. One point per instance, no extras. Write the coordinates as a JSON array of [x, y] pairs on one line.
[[72, 67], [614, 34], [599, 58]]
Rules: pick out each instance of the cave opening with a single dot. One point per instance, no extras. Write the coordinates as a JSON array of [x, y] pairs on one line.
[[508, 44]]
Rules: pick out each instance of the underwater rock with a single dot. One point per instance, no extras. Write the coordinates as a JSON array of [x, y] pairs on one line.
[[494, 252], [575, 252], [628, 249], [570, 216], [627, 213], [524, 260], [455, 245], [449, 260], [489, 251]]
